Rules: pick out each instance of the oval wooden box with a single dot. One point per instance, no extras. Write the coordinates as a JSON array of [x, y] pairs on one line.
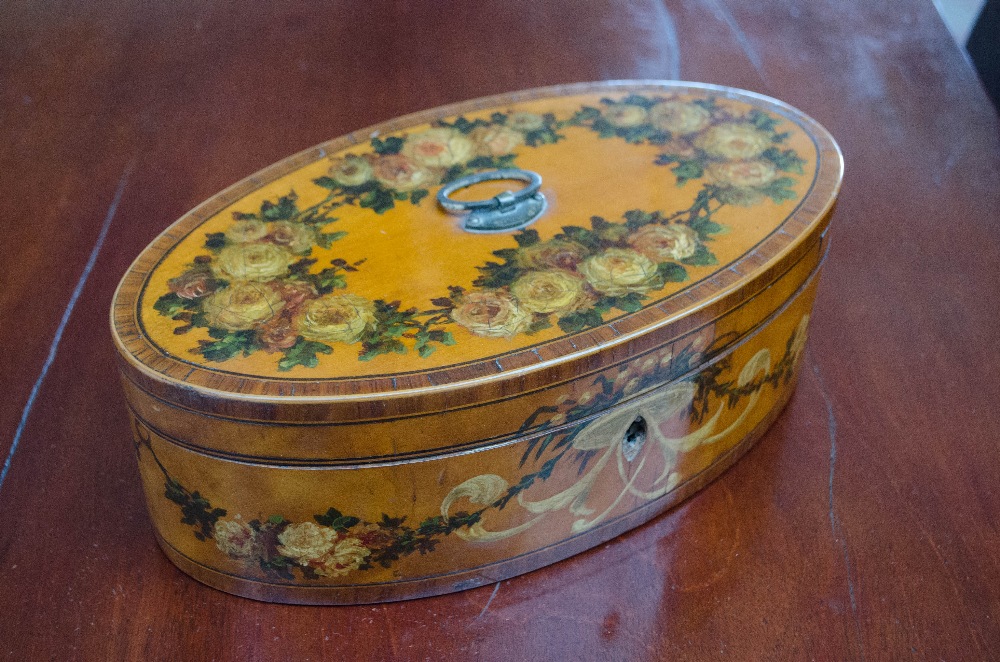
[[339, 396]]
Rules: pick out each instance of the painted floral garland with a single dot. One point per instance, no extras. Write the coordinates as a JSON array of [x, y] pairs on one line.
[[259, 289], [336, 544]]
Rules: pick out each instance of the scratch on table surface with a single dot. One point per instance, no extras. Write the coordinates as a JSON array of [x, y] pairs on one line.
[[488, 602], [946, 570], [835, 529], [724, 15], [393, 644], [949, 163], [57, 338]]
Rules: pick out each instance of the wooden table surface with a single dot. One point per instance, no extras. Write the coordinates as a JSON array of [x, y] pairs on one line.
[[863, 526]]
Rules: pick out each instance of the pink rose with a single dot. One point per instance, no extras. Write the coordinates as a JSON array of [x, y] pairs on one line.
[[193, 284]]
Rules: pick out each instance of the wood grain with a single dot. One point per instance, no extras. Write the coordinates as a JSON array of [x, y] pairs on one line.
[[862, 526]]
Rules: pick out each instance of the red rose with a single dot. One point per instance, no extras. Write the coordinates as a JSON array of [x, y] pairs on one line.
[[293, 293], [192, 284], [278, 334]]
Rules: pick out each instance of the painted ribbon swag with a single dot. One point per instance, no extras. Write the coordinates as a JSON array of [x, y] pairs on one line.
[[613, 438]]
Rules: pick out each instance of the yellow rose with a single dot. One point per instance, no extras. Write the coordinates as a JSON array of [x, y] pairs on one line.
[[526, 122], [625, 115], [242, 232], [619, 271], [348, 555], [241, 306], [338, 318], [439, 148], [235, 538], [757, 172], [553, 291], [664, 242], [351, 170], [496, 140], [297, 237], [678, 117], [257, 262], [733, 140], [398, 172], [305, 541], [554, 253], [490, 313]]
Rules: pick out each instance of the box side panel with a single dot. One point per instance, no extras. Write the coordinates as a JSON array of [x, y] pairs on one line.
[[390, 530]]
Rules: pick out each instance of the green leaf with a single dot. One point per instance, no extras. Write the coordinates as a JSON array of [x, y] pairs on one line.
[[639, 100], [526, 238], [443, 337], [545, 136], [275, 519], [331, 516], [779, 190], [390, 145], [215, 241], [635, 218], [585, 114], [786, 161], [463, 125], [708, 104], [763, 121], [671, 272], [702, 258], [379, 200], [336, 520], [326, 239], [328, 280], [704, 227], [687, 169], [344, 523], [303, 353], [582, 236], [581, 320], [170, 304], [597, 223], [327, 182], [285, 209], [629, 303], [418, 195], [539, 323], [228, 344], [779, 195]]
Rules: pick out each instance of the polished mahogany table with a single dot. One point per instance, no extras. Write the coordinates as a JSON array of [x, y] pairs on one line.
[[864, 525]]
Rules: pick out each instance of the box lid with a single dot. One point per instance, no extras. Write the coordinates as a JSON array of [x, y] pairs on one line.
[[340, 277]]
